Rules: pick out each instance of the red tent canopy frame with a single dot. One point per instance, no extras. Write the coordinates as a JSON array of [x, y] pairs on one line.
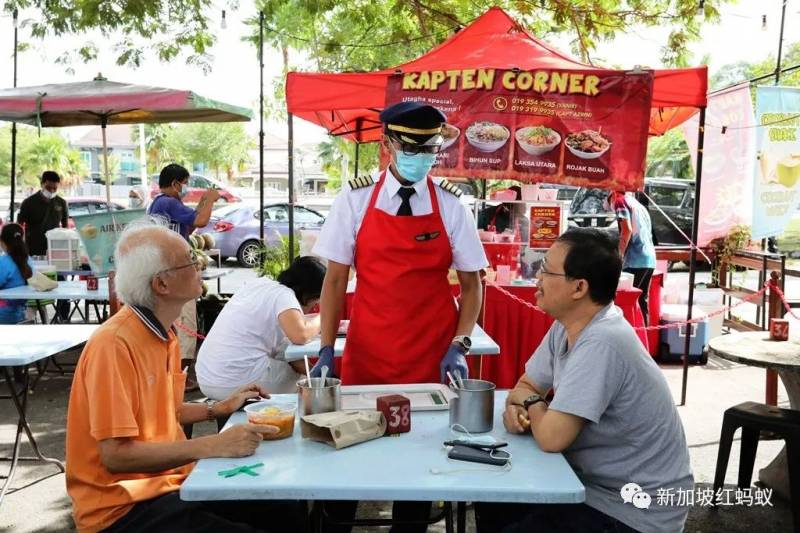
[[347, 104]]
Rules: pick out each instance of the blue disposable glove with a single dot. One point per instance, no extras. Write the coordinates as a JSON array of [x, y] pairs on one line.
[[325, 359], [453, 361]]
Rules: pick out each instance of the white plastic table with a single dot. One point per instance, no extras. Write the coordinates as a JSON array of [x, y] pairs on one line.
[[74, 291], [19, 347], [482, 344], [413, 467]]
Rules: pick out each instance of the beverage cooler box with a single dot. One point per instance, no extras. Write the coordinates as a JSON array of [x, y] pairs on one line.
[[673, 340]]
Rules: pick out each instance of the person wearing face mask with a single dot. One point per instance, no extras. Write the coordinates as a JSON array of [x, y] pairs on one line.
[[402, 231], [41, 212], [168, 205], [38, 214]]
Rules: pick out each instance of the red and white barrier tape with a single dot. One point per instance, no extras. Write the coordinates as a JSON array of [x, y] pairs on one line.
[[671, 325], [663, 326]]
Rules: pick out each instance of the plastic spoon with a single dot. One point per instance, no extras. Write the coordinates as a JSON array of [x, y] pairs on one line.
[[452, 381], [323, 375], [458, 378], [308, 372]]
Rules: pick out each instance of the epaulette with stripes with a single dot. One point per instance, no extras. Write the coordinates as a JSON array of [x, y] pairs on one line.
[[360, 182], [451, 188]]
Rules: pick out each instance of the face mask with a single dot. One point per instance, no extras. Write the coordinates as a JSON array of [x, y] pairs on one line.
[[47, 194], [183, 191], [414, 167]]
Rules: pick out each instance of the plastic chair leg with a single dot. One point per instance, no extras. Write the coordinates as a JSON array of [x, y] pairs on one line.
[[748, 456], [725, 443]]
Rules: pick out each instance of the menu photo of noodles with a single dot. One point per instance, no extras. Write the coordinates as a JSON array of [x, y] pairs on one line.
[[449, 155], [487, 145], [537, 149]]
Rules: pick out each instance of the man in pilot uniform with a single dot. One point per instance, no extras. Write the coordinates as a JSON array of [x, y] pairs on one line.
[[401, 231]]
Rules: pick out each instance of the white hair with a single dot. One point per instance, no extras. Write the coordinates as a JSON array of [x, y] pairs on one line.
[[140, 255]]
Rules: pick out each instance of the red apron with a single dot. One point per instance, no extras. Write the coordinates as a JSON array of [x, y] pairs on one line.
[[404, 315]]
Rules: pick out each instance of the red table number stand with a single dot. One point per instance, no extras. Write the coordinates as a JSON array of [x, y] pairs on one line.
[[778, 329], [397, 410]]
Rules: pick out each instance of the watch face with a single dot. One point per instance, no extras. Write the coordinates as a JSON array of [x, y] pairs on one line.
[[467, 341]]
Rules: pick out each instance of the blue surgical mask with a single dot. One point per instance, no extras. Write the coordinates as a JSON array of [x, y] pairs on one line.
[[183, 191], [414, 167]]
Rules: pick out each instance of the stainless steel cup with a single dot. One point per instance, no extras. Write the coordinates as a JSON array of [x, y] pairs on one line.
[[473, 410], [320, 397]]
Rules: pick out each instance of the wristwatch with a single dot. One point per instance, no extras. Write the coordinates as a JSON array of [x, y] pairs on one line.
[[464, 341], [210, 410], [532, 400]]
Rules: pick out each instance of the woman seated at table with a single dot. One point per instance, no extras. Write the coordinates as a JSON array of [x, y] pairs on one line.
[[254, 328], [15, 269]]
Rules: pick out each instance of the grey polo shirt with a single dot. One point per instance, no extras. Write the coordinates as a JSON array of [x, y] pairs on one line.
[[633, 433]]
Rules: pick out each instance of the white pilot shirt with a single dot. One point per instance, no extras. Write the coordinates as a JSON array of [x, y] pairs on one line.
[[337, 240]]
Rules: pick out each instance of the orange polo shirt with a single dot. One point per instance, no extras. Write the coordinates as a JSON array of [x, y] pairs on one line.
[[128, 384]]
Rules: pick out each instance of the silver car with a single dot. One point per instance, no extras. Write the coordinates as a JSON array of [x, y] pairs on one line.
[[235, 228]]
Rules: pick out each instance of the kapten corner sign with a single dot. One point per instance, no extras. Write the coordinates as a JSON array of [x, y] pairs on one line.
[[578, 127]]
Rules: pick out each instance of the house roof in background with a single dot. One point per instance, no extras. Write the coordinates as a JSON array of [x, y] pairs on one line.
[[117, 136]]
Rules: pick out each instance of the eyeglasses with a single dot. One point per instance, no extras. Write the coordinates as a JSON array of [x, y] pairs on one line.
[[543, 270], [194, 263], [412, 149]]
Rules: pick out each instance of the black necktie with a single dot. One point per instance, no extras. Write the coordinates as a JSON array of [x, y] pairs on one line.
[[405, 206]]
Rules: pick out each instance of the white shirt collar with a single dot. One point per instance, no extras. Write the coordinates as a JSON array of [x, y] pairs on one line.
[[392, 185]]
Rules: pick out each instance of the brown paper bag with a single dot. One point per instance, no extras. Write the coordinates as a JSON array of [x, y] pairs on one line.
[[341, 429]]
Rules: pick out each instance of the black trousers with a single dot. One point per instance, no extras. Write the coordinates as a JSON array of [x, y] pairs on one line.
[[168, 513], [346, 511], [555, 518], [641, 280]]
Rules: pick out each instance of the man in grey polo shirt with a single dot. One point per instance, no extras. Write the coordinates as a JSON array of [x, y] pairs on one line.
[[612, 414]]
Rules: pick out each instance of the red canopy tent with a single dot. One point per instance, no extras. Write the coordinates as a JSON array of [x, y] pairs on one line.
[[348, 104]]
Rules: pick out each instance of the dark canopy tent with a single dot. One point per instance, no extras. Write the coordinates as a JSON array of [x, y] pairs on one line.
[[348, 104]]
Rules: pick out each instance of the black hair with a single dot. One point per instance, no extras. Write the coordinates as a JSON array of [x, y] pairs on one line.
[[304, 277], [49, 175], [13, 237], [594, 256], [517, 189], [170, 173]]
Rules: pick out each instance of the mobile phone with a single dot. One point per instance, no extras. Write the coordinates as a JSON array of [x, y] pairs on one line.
[[472, 444], [473, 455]]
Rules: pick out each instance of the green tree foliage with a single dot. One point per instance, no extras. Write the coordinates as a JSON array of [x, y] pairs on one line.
[[337, 155], [168, 28], [742, 70], [353, 35], [35, 154], [668, 156], [223, 147], [156, 145]]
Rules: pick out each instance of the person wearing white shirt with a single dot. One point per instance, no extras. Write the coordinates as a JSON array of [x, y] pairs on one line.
[[254, 329]]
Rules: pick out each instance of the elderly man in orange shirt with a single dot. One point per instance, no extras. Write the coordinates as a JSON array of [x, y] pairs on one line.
[[126, 452]]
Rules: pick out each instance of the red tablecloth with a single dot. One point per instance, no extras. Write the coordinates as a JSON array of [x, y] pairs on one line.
[[518, 329]]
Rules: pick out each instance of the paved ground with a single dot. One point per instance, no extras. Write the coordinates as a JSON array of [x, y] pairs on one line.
[[44, 505]]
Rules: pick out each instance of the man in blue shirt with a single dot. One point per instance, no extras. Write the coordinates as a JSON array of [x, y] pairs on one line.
[[635, 243], [174, 184]]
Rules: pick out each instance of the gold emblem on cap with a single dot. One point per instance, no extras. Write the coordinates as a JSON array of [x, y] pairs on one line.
[[414, 131]]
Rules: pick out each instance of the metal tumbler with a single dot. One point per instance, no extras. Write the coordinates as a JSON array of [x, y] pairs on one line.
[[473, 410], [320, 397]]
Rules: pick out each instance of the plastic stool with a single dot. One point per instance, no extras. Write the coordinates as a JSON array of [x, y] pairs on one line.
[[754, 417]]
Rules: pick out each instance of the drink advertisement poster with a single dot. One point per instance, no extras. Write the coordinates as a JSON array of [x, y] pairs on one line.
[[586, 128], [777, 168], [545, 225]]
